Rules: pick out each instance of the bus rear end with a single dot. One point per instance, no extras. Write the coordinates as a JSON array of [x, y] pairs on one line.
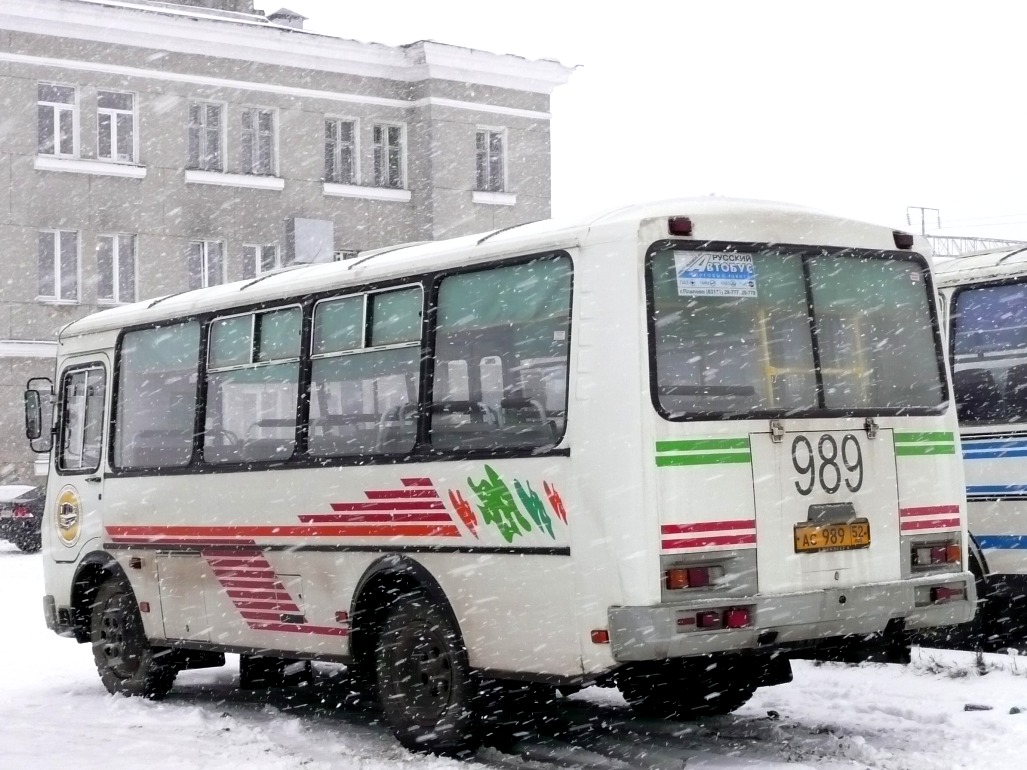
[[805, 458]]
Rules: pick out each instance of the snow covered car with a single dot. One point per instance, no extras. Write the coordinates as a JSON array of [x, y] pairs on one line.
[[21, 515]]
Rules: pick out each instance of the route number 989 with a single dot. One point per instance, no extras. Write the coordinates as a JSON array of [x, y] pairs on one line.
[[829, 464]]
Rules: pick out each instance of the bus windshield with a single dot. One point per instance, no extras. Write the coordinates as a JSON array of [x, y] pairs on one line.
[[776, 331]]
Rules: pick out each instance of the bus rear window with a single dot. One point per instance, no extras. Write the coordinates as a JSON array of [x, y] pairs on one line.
[[740, 333]]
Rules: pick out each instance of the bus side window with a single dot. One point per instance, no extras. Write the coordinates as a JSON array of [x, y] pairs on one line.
[[365, 373], [252, 385], [507, 331], [82, 421], [157, 396]]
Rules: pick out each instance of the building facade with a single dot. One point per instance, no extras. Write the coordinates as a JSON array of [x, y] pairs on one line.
[[150, 148]]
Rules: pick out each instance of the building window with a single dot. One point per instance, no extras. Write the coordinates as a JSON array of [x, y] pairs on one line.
[[206, 264], [259, 259], [116, 268], [258, 141], [115, 126], [58, 265], [340, 151], [58, 119], [205, 137], [489, 161], [388, 156]]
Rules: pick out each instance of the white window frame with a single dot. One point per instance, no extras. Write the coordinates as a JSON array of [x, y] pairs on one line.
[[205, 262], [117, 241], [57, 108], [55, 296], [247, 164], [113, 114], [253, 255], [380, 147], [504, 154], [355, 180], [222, 137]]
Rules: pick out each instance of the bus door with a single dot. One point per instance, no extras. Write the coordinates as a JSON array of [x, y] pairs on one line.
[[76, 486], [826, 508]]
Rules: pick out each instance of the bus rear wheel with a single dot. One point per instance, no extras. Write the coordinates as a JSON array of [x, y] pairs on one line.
[[126, 662], [425, 685], [686, 689]]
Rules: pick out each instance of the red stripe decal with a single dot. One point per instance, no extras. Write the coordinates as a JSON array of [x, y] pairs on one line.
[[252, 574], [707, 526], [309, 518], [399, 505], [928, 510], [929, 524], [225, 535], [419, 482], [700, 542], [275, 606], [258, 594], [399, 494], [296, 628]]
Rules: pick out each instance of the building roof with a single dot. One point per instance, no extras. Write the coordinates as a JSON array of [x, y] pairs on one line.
[[254, 37]]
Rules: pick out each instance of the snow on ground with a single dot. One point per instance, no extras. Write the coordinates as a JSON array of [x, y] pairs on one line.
[[54, 713]]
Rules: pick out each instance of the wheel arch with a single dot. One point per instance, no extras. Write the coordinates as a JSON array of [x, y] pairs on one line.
[[974, 553], [93, 571], [385, 580]]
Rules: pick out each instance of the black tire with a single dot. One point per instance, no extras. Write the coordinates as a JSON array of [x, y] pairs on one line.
[[424, 683], [126, 662], [686, 690], [29, 542]]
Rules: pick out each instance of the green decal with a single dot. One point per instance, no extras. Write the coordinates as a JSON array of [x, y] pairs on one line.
[[707, 451], [498, 505], [925, 443], [534, 506]]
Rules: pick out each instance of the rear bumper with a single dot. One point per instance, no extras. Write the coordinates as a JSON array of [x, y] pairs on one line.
[[651, 633]]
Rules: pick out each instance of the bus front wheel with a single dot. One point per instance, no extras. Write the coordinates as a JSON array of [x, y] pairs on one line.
[[126, 662], [425, 685]]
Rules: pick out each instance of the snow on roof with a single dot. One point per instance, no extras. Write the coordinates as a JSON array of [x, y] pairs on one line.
[[244, 36], [715, 218], [982, 266]]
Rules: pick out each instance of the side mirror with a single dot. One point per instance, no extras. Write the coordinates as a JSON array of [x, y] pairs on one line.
[[39, 414]]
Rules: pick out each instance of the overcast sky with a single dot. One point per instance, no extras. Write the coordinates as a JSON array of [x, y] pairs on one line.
[[857, 108]]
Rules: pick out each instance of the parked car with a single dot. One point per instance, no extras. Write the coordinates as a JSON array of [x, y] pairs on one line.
[[21, 515]]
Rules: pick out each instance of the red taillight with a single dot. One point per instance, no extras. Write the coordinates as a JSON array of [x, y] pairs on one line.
[[680, 226], [737, 617], [600, 636], [341, 617], [933, 555], [947, 593], [22, 512], [144, 606], [709, 619], [678, 578]]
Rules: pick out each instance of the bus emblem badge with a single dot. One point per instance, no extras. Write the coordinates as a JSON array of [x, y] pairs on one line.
[[68, 516]]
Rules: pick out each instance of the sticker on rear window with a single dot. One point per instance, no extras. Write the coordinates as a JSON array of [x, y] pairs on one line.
[[714, 274]]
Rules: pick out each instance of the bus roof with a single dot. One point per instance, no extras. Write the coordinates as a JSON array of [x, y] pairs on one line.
[[714, 218], [981, 266]]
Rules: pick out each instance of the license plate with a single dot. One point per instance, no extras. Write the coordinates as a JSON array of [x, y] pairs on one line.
[[832, 537]]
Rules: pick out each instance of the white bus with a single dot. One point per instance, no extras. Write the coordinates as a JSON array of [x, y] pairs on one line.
[[986, 298], [667, 448]]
